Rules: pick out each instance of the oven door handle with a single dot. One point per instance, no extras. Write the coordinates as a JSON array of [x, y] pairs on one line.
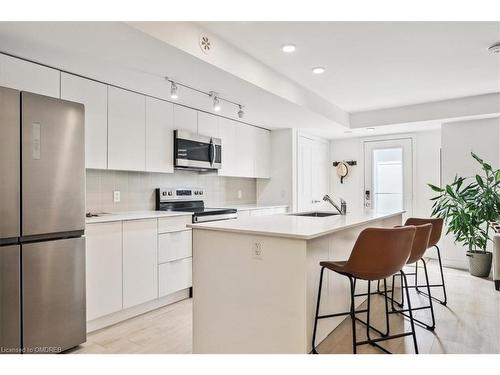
[[212, 152]]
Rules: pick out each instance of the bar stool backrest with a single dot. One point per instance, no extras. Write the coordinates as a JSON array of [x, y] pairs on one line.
[[420, 242], [437, 227], [380, 252]]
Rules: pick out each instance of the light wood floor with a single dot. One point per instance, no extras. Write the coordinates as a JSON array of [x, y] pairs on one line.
[[470, 323]]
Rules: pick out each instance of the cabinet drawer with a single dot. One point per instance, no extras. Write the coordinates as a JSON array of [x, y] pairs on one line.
[[174, 245], [175, 276], [173, 224]]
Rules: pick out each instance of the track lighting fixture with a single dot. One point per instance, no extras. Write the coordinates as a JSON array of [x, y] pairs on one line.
[[173, 91], [216, 99]]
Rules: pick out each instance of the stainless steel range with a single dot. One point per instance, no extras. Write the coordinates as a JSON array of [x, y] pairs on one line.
[[191, 200]]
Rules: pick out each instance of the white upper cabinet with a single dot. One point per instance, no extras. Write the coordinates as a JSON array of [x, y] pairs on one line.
[[263, 153], [94, 96], [185, 119], [208, 125], [126, 130], [246, 150], [25, 76], [246, 139], [227, 132], [159, 136]]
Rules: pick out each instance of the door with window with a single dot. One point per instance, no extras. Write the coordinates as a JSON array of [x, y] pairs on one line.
[[389, 175]]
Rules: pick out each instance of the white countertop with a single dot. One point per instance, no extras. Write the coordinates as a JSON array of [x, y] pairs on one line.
[[133, 215], [136, 215], [246, 207], [300, 227]]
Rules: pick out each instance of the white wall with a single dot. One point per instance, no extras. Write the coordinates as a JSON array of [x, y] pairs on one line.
[[427, 170], [457, 141]]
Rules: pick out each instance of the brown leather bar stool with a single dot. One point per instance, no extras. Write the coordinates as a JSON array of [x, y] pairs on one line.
[[420, 245], [377, 254], [437, 228]]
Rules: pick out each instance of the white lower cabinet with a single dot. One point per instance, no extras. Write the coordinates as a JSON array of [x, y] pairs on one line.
[[103, 268], [175, 276], [134, 262], [140, 282]]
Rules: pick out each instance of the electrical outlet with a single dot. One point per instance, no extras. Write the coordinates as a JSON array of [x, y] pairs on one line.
[[116, 196], [240, 194], [258, 250]]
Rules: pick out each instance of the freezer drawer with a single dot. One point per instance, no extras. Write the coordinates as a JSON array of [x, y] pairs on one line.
[[54, 312], [9, 164], [53, 165], [10, 314]]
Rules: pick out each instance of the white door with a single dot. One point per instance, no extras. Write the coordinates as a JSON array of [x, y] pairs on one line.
[[389, 175], [304, 180], [312, 176]]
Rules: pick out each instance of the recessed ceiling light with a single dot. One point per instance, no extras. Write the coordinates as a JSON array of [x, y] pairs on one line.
[[495, 48], [318, 70], [370, 129], [288, 48]]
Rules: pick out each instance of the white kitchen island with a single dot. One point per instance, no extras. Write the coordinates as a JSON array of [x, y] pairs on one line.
[[255, 279]]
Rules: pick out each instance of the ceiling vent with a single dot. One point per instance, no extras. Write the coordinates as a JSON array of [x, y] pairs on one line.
[[495, 48], [205, 44]]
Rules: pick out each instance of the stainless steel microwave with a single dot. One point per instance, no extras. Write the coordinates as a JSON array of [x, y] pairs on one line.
[[196, 152]]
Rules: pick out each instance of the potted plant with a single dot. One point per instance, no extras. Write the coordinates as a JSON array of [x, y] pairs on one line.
[[467, 205]]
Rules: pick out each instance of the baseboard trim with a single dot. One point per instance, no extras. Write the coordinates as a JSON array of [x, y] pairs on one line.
[[131, 312]]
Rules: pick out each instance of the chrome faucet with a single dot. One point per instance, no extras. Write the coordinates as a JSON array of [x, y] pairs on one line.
[[343, 205]]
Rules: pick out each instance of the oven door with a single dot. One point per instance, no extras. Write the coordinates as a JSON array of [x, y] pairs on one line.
[[193, 151]]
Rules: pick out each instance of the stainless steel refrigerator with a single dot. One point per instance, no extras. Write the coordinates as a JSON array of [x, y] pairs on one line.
[[42, 222]]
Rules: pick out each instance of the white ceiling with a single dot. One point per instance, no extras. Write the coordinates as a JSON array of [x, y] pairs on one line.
[[116, 53], [373, 65]]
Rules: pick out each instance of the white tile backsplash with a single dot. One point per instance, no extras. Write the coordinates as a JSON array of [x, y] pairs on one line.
[[137, 189]]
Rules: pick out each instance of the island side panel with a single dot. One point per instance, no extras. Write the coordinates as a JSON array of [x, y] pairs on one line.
[[335, 296], [243, 304]]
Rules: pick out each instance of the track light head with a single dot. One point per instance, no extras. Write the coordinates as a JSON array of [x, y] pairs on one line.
[[173, 91], [215, 101], [241, 112]]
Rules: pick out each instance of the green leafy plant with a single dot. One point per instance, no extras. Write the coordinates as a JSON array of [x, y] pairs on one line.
[[468, 204]]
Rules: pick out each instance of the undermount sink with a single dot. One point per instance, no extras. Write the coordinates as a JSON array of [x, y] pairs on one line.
[[316, 214]]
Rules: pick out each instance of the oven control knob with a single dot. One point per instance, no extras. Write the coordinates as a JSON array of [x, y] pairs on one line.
[[196, 192], [200, 192], [169, 193]]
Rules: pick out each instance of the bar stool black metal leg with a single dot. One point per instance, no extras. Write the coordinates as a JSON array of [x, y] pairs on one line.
[[433, 325], [353, 315], [412, 324], [386, 309], [444, 301], [317, 311]]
